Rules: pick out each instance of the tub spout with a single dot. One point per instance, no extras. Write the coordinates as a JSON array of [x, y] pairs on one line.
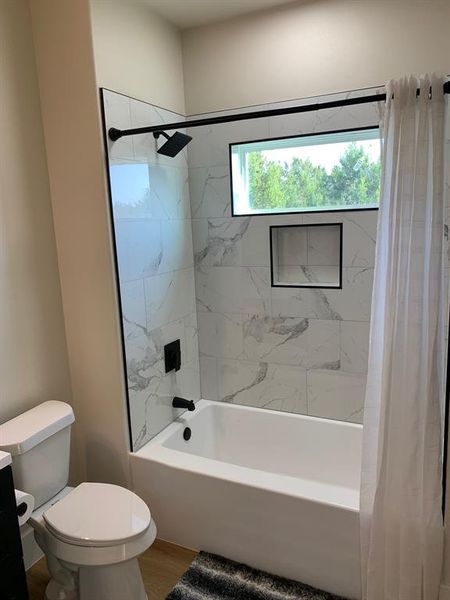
[[178, 402]]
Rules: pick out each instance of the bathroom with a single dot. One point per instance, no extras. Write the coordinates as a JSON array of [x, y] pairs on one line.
[[204, 341]]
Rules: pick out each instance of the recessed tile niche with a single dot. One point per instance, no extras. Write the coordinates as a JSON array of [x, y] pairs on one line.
[[306, 255]]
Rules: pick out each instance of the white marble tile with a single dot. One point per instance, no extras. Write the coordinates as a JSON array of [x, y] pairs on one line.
[[169, 297], [210, 145], [118, 115], [281, 340], [359, 238], [139, 248], [145, 355], [130, 190], [308, 276], [208, 377], [280, 219], [324, 245], [144, 191], [352, 302], [191, 335], [200, 241], [354, 346], [234, 241], [133, 308], [145, 145], [326, 120], [233, 290], [224, 242], [262, 385], [177, 250], [290, 246], [209, 189], [323, 345], [160, 412], [169, 192], [187, 381], [151, 390], [220, 335], [302, 302], [255, 244], [358, 235], [138, 418], [336, 395], [306, 343]]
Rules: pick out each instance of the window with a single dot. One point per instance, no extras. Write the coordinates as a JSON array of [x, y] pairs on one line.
[[318, 172]]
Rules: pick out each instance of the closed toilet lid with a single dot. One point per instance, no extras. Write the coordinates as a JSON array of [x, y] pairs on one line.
[[98, 514]]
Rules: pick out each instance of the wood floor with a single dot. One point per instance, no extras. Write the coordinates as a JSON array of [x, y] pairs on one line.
[[161, 567]]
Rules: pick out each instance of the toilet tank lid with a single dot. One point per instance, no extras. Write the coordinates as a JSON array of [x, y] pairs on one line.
[[34, 426]]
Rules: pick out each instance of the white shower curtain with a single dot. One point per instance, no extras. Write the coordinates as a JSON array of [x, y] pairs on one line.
[[401, 522]]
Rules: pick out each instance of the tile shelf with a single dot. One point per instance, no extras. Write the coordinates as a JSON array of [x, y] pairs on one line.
[[306, 255]]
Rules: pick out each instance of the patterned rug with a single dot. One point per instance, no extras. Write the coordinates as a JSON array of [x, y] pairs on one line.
[[212, 577]]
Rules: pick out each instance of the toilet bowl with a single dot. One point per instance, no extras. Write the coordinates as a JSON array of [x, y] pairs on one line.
[[91, 534]]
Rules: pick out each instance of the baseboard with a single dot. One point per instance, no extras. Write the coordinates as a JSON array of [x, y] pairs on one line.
[[31, 551], [444, 593]]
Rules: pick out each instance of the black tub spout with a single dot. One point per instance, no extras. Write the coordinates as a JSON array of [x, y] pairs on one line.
[[178, 402]]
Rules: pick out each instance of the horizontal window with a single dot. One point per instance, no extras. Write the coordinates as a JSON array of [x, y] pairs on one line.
[[330, 171]]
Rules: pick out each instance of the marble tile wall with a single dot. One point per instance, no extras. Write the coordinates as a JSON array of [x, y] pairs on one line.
[[153, 237], [299, 350]]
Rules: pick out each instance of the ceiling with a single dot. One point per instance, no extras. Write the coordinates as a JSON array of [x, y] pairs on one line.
[[189, 13]]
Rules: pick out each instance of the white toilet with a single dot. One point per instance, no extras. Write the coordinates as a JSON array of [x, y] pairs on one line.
[[91, 534]]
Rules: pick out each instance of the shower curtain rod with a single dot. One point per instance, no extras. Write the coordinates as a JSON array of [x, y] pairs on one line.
[[115, 134]]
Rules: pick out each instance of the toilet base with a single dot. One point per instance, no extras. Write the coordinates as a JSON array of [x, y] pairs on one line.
[[55, 591], [114, 582]]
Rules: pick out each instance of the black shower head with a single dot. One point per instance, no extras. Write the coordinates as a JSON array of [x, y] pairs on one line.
[[175, 143]]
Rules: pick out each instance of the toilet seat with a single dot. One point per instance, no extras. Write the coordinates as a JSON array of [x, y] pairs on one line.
[[95, 556], [98, 515]]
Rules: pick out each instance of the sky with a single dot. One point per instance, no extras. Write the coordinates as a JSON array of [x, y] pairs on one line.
[[325, 155]]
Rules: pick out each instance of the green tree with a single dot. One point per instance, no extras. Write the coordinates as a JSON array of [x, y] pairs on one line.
[[310, 181], [354, 181]]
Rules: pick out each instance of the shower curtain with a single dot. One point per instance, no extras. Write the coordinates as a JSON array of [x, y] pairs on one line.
[[401, 521]]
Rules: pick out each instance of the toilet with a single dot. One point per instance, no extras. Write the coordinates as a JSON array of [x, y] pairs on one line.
[[91, 534]]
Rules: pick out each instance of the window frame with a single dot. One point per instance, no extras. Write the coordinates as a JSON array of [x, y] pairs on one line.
[[288, 137]]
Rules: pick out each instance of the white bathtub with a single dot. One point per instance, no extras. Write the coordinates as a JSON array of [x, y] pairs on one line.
[[276, 491]]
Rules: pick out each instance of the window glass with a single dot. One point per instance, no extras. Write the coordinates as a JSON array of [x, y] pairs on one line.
[[332, 171]]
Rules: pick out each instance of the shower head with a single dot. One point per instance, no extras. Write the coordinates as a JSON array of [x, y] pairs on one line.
[[175, 143]]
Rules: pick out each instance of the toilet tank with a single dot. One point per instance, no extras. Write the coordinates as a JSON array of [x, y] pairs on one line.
[[39, 443]]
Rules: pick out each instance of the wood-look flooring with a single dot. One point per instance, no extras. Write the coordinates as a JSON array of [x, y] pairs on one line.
[[161, 566]]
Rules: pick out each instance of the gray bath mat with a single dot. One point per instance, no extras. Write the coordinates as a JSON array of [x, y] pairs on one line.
[[212, 577]]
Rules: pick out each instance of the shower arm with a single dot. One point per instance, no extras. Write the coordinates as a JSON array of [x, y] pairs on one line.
[[115, 134], [156, 134]]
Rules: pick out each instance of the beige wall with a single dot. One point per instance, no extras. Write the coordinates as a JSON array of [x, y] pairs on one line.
[[137, 53], [69, 98], [312, 48], [33, 356]]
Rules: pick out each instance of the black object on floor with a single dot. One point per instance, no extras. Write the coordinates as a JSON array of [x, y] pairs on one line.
[[212, 577]]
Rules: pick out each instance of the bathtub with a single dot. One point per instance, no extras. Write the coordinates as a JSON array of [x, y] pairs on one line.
[[276, 491]]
